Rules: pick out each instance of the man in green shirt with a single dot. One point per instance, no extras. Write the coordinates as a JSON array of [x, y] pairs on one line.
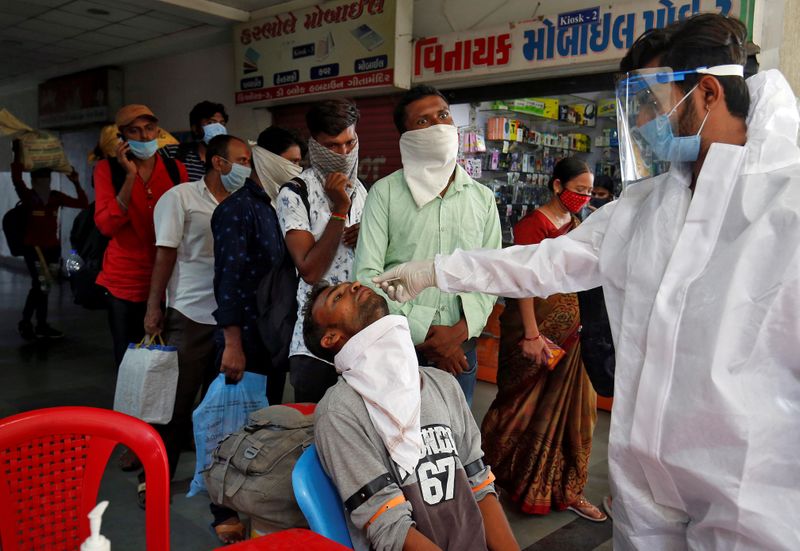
[[431, 206]]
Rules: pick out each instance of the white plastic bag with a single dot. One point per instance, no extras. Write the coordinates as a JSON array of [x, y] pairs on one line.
[[147, 382]]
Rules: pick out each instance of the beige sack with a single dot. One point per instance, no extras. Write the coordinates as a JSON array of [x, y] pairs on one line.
[[42, 150]]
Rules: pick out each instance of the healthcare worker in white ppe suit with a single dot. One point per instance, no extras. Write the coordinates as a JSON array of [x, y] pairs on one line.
[[701, 271]]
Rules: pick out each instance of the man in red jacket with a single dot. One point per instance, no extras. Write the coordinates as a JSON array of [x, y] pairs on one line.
[[126, 192]]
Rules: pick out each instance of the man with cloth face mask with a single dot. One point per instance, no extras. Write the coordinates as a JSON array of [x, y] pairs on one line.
[[276, 159], [700, 267], [431, 206], [398, 440], [320, 222]]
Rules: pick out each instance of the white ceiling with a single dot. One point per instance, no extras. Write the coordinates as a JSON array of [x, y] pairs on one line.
[[40, 39], [38, 34]]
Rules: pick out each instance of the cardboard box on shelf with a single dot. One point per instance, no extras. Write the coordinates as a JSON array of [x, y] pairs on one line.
[[541, 107], [513, 125], [607, 108], [581, 114], [521, 131]]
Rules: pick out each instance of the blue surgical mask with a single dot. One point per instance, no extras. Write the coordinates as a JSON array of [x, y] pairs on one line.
[[665, 145], [212, 130], [143, 150], [236, 178]]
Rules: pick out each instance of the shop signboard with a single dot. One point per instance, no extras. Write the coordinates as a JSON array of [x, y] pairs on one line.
[[343, 46], [79, 99], [579, 17], [570, 42]]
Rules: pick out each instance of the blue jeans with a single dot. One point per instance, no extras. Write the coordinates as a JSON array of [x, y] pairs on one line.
[[468, 378]]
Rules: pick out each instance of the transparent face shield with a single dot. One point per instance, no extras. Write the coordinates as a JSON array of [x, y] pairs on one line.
[[647, 120]]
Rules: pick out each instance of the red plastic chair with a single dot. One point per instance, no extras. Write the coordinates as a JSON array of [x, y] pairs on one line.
[[51, 463]]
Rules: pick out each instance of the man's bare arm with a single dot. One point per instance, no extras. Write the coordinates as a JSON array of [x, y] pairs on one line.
[[498, 532], [162, 271], [416, 541]]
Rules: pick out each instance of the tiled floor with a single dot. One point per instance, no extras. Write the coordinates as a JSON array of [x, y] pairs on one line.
[[79, 371]]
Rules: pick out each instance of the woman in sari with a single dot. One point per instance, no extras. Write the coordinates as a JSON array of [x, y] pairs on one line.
[[537, 434]]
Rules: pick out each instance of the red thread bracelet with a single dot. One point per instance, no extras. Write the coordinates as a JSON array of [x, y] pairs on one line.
[[537, 337]]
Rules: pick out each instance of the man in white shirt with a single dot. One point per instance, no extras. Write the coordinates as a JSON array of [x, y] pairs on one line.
[[184, 268], [321, 229]]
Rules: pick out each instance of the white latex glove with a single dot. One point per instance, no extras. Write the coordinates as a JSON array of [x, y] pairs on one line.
[[405, 281]]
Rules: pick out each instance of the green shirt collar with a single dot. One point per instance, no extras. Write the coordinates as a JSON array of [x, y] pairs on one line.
[[461, 180]]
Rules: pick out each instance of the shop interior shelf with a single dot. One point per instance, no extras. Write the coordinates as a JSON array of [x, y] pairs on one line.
[[504, 171], [530, 117], [512, 143]]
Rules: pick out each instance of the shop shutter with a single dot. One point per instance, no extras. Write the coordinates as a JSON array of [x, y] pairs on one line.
[[378, 138]]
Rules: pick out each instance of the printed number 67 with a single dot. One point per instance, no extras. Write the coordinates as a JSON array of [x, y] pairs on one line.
[[431, 484]]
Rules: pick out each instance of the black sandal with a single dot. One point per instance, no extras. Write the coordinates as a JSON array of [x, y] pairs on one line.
[[230, 532], [128, 461], [141, 494]]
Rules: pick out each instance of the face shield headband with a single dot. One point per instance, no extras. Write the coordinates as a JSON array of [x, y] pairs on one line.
[[646, 121]]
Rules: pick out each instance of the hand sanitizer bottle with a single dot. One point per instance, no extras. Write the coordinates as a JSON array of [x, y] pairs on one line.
[[96, 541]]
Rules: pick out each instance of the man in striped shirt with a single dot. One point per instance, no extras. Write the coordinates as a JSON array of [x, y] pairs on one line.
[[206, 120]]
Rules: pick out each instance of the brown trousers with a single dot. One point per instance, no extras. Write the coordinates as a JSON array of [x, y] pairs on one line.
[[196, 355]]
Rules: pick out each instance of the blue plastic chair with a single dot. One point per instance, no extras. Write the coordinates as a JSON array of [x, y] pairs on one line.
[[319, 499]]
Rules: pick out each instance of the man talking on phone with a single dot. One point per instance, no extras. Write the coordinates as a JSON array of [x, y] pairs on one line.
[[319, 214], [127, 189]]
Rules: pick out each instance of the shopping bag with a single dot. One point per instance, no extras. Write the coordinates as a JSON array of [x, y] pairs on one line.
[[223, 411], [147, 381]]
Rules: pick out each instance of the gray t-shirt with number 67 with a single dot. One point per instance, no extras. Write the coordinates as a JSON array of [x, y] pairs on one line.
[[440, 495]]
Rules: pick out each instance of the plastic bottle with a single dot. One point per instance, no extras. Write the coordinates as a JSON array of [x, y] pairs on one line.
[[43, 277], [96, 541], [73, 263]]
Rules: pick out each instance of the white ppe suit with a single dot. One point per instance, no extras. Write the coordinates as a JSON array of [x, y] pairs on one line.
[[703, 296]]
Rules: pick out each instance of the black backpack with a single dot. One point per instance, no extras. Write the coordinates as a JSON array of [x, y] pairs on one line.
[[277, 298], [597, 345], [14, 224], [90, 244]]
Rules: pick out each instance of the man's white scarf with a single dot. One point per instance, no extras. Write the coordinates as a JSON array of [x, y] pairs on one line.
[[429, 159], [380, 364], [273, 170]]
